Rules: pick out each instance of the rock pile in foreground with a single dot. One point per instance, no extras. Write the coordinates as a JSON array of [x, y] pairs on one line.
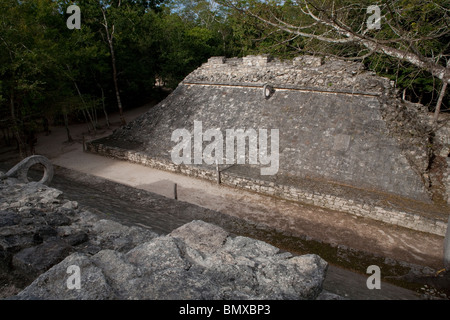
[[42, 235]]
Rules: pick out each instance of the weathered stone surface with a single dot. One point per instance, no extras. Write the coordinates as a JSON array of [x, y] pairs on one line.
[[77, 238], [334, 120], [21, 169], [201, 236], [41, 236], [39, 228], [304, 71], [179, 267], [446, 177], [447, 247], [346, 141], [35, 260], [95, 284], [115, 236], [8, 218]]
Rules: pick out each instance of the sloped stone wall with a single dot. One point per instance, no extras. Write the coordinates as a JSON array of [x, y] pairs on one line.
[[339, 125], [330, 118], [316, 195]]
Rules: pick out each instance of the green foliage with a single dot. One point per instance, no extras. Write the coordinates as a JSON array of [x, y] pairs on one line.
[[183, 48], [48, 70], [419, 27]]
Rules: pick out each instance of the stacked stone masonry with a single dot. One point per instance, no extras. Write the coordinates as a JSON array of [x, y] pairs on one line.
[[338, 124], [302, 72], [400, 218]]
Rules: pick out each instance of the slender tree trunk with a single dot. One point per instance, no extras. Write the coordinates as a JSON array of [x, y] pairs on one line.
[[91, 116], [91, 119], [116, 85], [104, 108], [85, 106], [16, 130], [86, 119], [345, 35], [94, 111], [440, 99], [5, 135], [110, 38], [66, 124]]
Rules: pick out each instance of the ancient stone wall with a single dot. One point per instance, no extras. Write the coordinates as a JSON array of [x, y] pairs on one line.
[[302, 72], [367, 207], [340, 128]]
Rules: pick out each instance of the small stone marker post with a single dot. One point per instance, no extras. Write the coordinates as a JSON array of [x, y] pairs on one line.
[[175, 193], [217, 172]]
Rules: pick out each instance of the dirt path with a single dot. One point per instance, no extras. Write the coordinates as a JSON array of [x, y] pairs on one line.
[[293, 218]]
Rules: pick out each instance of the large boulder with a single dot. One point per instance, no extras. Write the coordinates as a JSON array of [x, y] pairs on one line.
[[39, 228], [196, 261], [43, 236], [35, 260]]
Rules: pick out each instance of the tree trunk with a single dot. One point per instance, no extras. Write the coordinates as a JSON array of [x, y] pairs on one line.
[[87, 110], [104, 108], [116, 85], [20, 144], [66, 124], [110, 38], [347, 36], [440, 99], [86, 119], [94, 111]]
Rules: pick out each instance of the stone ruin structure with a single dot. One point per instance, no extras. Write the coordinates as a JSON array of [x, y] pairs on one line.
[[346, 142], [21, 169]]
